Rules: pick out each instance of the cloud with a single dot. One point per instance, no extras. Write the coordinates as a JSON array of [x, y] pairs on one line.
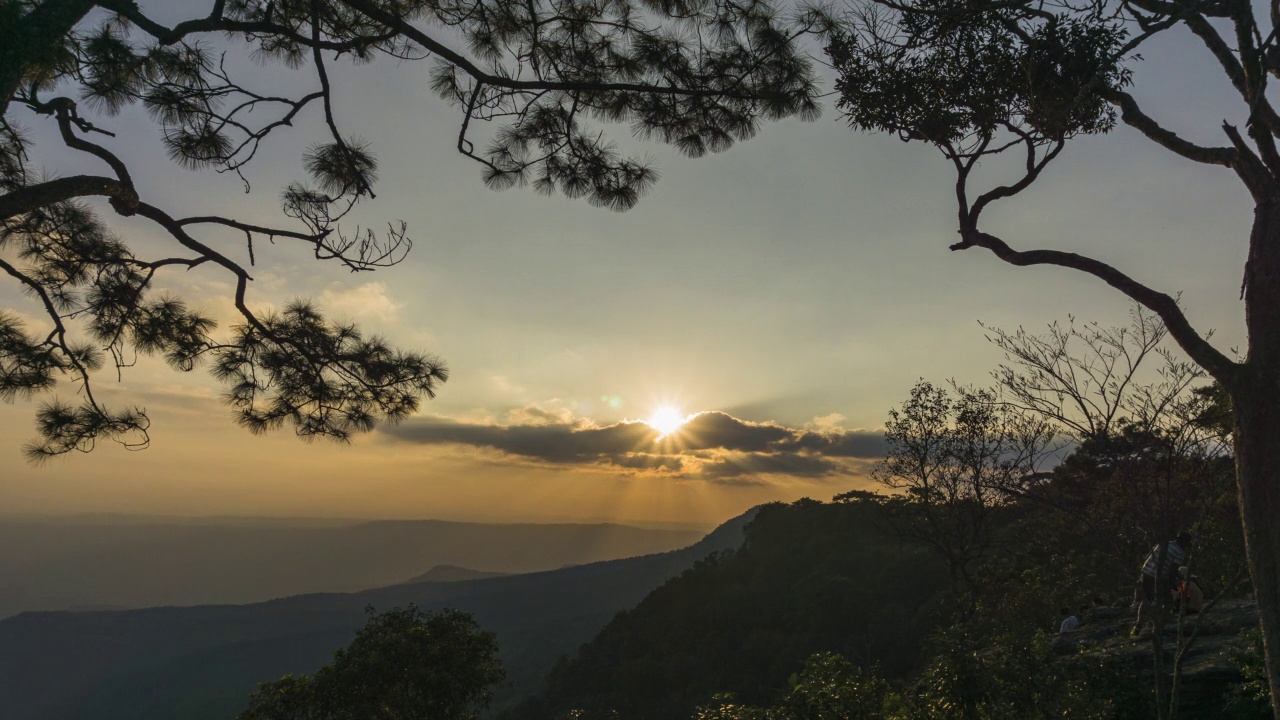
[[369, 301], [713, 446], [846, 443], [712, 430], [794, 464], [538, 415], [828, 423]]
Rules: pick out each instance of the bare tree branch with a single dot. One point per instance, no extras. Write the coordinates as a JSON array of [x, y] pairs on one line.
[[1133, 115]]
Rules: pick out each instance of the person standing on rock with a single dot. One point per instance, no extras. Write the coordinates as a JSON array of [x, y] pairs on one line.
[[1157, 568]]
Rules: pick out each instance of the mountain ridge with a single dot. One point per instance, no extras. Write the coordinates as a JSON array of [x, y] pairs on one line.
[[55, 566], [454, 573]]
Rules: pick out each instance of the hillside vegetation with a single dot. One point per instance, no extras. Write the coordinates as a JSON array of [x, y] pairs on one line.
[[843, 592], [809, 577]]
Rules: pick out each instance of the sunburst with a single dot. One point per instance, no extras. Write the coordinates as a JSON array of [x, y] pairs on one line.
[[666, 419]]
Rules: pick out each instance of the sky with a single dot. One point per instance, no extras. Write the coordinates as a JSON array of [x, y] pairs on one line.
[[785, 293]]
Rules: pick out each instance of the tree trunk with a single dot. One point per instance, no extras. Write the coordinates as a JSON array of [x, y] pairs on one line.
[[1255, 397], [1257, 440]]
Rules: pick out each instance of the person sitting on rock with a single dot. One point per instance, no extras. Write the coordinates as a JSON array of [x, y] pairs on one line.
[[1070, 623], [1188, 592]]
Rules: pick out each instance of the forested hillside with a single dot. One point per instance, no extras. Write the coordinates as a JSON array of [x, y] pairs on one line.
[[851, 594], [809, 577]]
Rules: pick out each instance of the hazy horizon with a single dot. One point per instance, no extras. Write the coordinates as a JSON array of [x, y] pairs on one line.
[[335, 520], [120, 562]]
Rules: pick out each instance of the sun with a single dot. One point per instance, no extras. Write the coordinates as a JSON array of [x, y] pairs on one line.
[[666, 419]]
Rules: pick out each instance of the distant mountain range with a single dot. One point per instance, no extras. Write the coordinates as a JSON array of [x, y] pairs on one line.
[[122, 562], [198, 663]]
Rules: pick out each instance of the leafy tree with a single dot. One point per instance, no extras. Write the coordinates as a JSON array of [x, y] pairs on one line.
[[696, 75], [978, 79], [1250, 699], [959, 462], [828, 688], [1020, 679], [1015, 676], [831, 687], [404, 664]]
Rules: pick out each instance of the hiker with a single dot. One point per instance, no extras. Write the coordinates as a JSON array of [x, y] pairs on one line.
[[1188, 592], [1175, 553]]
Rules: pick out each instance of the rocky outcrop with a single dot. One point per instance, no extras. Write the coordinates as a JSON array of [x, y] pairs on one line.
[[1208, 669]]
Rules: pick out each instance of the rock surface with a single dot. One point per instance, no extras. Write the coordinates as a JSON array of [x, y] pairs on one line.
[[1208, 670]]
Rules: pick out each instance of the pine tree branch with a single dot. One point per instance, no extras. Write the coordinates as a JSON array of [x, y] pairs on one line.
[[35, 38], [429, 43], [33, 197], [215, 22]]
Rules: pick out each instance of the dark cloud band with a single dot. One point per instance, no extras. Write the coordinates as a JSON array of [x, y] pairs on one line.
[[711, 445]]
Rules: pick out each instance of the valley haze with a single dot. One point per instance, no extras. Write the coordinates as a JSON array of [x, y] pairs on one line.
[[112, 562]]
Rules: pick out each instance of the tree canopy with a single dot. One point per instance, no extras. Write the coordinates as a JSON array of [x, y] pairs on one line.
[[404, 664]]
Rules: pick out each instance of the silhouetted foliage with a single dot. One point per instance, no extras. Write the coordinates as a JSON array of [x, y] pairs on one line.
[[1153, 445], [959, 461], [404, 664], [699, 76], [1252, 698], [1015, 675], [1000, 87], [828, 688]]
